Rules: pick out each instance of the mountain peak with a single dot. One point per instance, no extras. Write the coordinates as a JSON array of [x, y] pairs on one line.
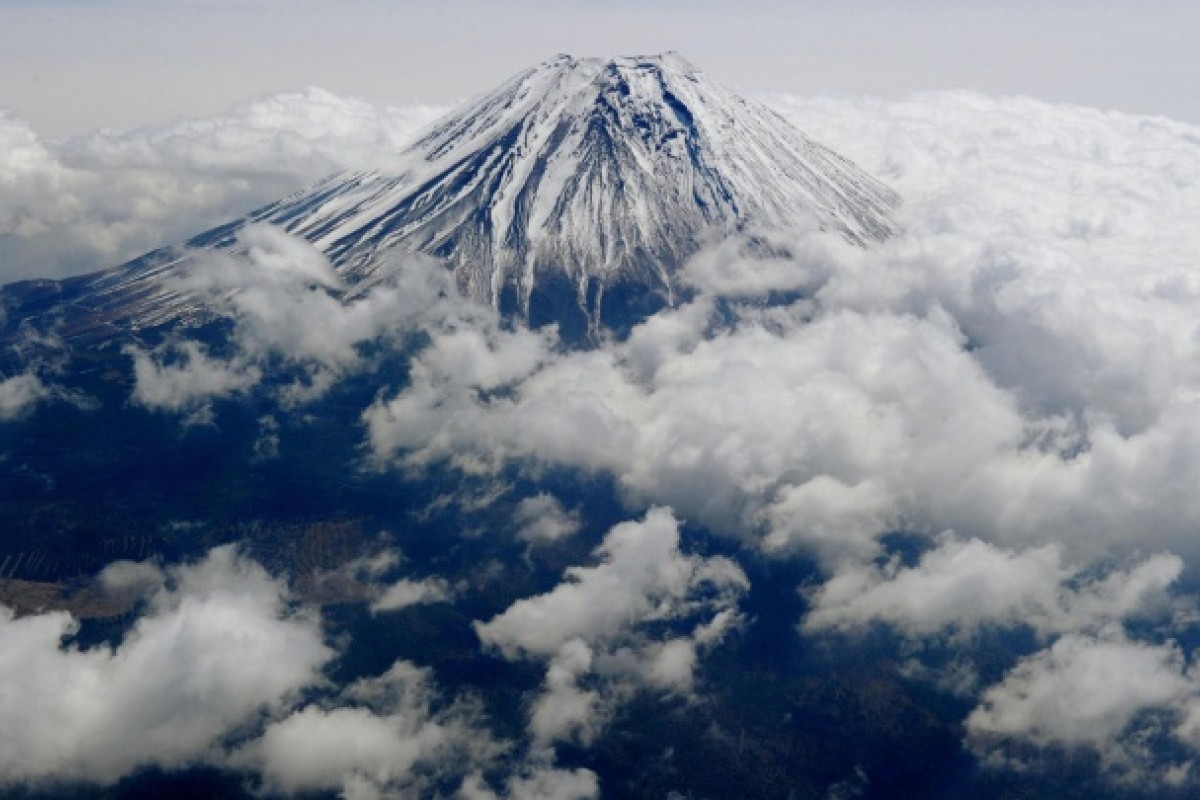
[[592, 171], [573, 181], [669, 61]]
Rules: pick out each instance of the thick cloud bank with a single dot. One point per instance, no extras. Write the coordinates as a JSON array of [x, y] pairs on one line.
[[1022, 350], [93, 202], [1013, 379]]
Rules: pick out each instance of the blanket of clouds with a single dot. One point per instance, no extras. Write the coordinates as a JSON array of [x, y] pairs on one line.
[[1014, 380], [100, 199]]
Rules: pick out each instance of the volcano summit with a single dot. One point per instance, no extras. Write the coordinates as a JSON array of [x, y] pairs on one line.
[[573, 181]]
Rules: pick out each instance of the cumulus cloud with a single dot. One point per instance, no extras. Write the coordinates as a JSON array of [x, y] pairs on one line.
[[727, 429], [95, 201], [963, 585], [565, 709], [136, 578], [380, 736], [217, 645], [1100, 691], [594, 628], [42, 359], [19, 393], [407, 592], [1074, 293], [223, 669], [542, 518], [180, 376], [555, 784], [290, 308], [641, 575], [376, 578], [1096, 686]]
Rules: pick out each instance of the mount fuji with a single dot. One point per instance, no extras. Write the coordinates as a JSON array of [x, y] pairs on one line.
[[571, 193]]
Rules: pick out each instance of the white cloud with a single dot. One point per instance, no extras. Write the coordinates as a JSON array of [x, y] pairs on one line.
[[1018, 367], [279, 290], [541, 518], [181, 376], [1090, 691], [564, 709], [407, 592], [136, 578], [745, 269], [372, 578], [381, 736], [217, 645], [101, 199], [963, 585], [1094, 684], [555, 784], [20, 393], [1052, 233], [728, 428], [213, 673], [642, 575], [41, 359], [1013, 378], [289, 306], [592, 629]]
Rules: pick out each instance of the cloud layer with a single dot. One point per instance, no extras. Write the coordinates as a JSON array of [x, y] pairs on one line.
[[1012, 379], [101, 199], [1012, 383]]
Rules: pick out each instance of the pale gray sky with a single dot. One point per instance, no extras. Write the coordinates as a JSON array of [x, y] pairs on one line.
[[69, 66]]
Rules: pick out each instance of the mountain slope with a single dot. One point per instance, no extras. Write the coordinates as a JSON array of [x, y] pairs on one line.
[[577, 176]]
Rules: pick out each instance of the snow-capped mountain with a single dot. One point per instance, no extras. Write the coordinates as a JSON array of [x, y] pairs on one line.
[[590, 167], [582, 174]]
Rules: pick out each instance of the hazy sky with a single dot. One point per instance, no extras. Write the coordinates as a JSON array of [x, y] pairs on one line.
[[69, 66]]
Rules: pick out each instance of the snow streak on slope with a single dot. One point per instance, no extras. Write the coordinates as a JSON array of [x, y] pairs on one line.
[[603, 170]]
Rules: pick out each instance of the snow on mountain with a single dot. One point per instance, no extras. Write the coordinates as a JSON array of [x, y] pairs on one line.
[[585, 173]]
